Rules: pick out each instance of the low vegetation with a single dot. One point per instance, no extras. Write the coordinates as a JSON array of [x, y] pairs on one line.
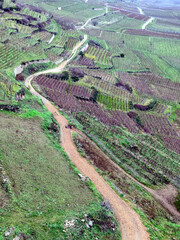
[[121, 89]]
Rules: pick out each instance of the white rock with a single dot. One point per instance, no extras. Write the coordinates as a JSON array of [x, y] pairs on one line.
[[16, 238], [90, 223]]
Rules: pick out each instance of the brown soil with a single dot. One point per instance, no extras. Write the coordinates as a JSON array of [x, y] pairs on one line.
[[130, 223]]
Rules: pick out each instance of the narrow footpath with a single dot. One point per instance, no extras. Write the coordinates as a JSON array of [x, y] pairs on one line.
[[129, 221], [148, 21]]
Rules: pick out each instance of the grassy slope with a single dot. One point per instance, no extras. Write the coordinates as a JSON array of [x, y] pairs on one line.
[[45, 189], [44, 185]]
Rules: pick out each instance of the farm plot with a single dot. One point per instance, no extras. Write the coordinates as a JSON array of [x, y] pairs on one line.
[[172, 143], [108, 88], [167, 70], [157, 124], [61, 41], [79, 91], [165, 47], [165, 13], [7, 88], [71, 43], [139, 84], [132, 14], [39, 16], [80, 11], [106, 76], [73, 98], [11, 16], [21, 42], [93, 32], [3, 35], [142, 32], [137, 42], [54, 53], [109, 36], [145, 162], [43, 35], [174, 62], [129, 62], [159, 109], [114, 103], [164, 163], [164, 26], [168, 93], [13, 25], [9, 56], [99, 55], [35, 52], [64, 37], [50, 83], [124, 120], [63, 87], [8, 4], [118, 22], [83, 61], [157, 86]]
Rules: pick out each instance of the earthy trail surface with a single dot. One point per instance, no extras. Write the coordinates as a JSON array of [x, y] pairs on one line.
[[130, 223], [148, 21]]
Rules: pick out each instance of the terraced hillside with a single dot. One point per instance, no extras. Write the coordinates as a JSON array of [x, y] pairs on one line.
[[118, 85]]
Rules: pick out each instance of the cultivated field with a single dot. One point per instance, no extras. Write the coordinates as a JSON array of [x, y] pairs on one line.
[[114, 73]]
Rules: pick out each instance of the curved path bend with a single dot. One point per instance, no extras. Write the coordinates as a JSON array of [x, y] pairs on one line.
[[148, 21], [129, 221]]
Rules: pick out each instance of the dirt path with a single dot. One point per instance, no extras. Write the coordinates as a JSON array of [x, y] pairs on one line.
[[129, 221], [148, 21]]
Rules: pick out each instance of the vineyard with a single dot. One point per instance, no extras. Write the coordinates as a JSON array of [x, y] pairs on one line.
[[9, 56], [99, 55], [71, 43], [140, 155], [115, 81], [7, 88]]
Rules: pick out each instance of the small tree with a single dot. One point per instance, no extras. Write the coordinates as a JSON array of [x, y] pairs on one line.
[[65, 75], [81, 54]]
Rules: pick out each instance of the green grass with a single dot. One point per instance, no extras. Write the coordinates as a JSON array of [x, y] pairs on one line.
[[45, 189], [44, 185], [113, 103], [173, 115]]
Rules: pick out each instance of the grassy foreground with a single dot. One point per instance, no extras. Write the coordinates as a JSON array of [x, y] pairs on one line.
[[44, 190]]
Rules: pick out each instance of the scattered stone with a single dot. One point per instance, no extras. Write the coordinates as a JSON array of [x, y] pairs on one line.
[[90, 223], [9, 231], [106, 205], [16, 238], [87, 225], [83, 178], [12, 108], [69, 224]]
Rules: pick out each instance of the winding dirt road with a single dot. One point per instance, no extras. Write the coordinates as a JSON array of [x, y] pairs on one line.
[[129, 221], [148, 21]]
